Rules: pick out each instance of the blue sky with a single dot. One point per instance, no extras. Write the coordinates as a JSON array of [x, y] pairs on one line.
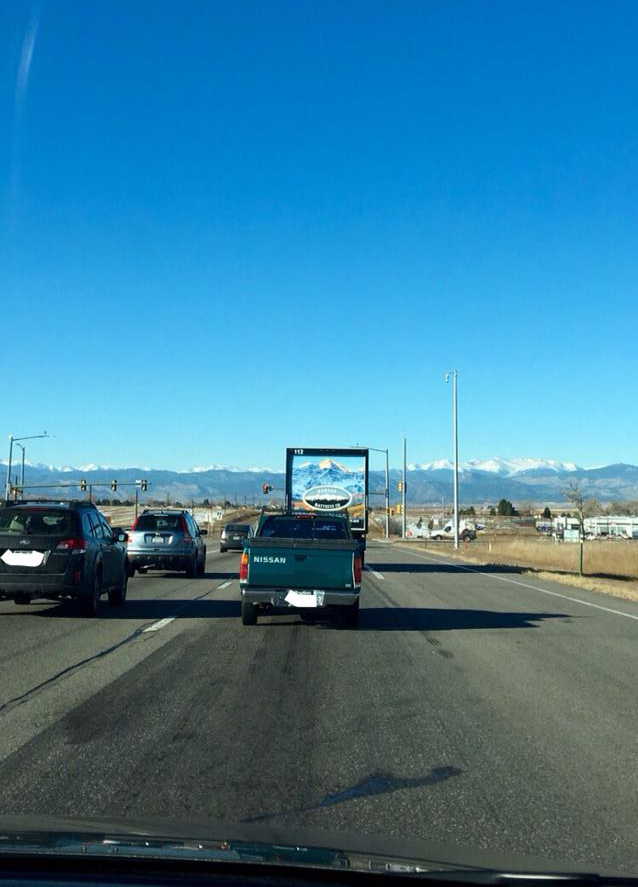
[[232, 227]]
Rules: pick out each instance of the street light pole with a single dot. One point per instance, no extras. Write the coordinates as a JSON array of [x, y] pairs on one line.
[[455, 441], [387, 495], [404, 491], [13, 440], [387, 486], [22, 471], [8, 483]]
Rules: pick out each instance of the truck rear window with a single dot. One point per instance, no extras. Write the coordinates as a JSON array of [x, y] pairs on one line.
[[304, 528], [36, 522]]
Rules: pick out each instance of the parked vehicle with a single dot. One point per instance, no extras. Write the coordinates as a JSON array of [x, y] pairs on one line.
[[306, 562], [234, 535], [57, 550], [467, 532], [330, 481], [166, 540]]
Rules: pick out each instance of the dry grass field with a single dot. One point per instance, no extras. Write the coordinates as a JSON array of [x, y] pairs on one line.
[[609, 567], [600, 558]]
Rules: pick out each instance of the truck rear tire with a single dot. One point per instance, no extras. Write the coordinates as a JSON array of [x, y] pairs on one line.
[[248, 613]]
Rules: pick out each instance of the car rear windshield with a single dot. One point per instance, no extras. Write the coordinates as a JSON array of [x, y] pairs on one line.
[[159, 522], [304, 528], [36, 522], [236, 528]]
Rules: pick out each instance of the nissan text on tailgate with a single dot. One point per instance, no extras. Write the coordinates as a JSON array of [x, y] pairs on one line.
[[309, 563]]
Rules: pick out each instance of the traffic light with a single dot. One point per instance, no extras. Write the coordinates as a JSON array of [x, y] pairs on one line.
[[83, 485], [114, 485], [398, 508], [400, 486], [144, 485], [266, 488]]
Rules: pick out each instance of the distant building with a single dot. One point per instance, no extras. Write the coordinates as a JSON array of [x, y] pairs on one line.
[[612, 525]]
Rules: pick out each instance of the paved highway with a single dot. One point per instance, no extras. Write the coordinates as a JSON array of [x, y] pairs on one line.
[[475, 708]]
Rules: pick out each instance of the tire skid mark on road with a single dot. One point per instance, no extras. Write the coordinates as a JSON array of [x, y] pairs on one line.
[[94, 657]]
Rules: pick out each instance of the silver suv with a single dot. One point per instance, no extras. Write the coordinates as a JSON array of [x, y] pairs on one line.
[[166, 540]]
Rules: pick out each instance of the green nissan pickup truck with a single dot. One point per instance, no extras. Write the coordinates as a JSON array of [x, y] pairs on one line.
[[306, 562]]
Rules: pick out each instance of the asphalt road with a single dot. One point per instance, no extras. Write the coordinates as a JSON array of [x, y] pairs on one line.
[[479, 709]]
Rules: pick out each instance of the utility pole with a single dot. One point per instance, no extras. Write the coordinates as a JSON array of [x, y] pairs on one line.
[[137, 501], [404, 491], [455, 442]]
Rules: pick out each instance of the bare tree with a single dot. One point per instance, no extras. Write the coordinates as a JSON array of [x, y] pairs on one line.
[[582, 507]]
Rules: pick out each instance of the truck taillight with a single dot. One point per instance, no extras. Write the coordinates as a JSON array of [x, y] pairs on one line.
[[356, 569], [77, 543], [243, 567]]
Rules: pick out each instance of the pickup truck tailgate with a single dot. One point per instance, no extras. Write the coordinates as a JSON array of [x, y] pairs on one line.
[[304, 564]]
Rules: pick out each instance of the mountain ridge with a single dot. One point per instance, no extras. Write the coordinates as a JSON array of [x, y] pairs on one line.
[[542, 483]]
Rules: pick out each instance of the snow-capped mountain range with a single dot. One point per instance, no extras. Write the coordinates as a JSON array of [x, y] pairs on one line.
[[480, 480], [500, 465]]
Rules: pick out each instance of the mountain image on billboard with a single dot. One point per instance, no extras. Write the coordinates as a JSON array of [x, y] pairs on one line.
[[329, 484]]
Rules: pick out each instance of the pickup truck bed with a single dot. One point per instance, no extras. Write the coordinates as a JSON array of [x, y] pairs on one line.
[[308, 574]]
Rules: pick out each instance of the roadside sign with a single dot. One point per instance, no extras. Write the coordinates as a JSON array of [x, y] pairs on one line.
[[571, 535]]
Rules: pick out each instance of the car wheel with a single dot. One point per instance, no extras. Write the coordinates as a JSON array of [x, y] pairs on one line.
[[90, 600], [437, 538], [222, 550], [192, 568], [117, 595], [130, 569], [142, 570], [201, 568], [248, 613], [351, 615]]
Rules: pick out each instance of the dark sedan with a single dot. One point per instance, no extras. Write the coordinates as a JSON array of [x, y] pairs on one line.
[[234, 535]]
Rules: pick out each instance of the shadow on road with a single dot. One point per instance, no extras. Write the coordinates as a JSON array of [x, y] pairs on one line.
[[375, 784], [442, 568], [157, 574], [148, 610], [425, 619]]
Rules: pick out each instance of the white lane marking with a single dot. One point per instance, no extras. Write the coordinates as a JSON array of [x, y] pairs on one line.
[[374, 572], [157, 625], [225, 584], [565, 597]]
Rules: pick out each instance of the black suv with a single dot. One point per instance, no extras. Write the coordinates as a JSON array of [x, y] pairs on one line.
[[56, 550]]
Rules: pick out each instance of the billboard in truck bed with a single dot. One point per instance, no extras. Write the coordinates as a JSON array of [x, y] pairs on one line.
[[329, 480]]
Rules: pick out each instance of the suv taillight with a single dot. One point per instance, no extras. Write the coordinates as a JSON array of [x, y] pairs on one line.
[[243, 566], [356, 569], [188, 539], [77, 543]]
